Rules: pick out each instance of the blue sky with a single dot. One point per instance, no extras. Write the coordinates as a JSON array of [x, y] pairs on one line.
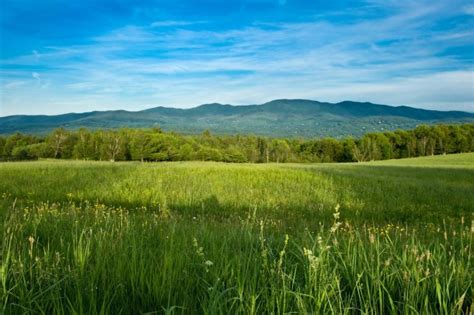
[[76, 56]]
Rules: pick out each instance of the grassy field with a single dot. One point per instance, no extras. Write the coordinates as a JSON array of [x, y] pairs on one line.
[[391, 237]]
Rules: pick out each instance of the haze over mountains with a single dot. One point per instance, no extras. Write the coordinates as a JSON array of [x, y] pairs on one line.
[[278, 118]]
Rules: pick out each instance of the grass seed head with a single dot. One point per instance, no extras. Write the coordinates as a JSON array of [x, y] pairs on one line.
[[371, 238]]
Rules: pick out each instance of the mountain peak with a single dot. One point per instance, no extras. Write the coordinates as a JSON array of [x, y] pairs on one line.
[[278, 118], [211, 105], [291, 102]]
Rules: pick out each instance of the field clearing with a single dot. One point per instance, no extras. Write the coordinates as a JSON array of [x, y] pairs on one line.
[[203, 237], [464, 160]]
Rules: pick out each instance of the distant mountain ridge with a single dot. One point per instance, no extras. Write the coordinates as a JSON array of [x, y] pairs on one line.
[[279, 118]]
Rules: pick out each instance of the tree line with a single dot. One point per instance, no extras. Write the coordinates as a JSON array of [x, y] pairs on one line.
[[156, 145]]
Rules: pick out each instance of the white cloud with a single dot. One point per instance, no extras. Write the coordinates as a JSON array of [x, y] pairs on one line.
[[469, 9], [13, 84], [396, 59], [169, 23]]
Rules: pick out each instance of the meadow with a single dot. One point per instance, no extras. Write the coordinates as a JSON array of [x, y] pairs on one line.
[[384, 237]]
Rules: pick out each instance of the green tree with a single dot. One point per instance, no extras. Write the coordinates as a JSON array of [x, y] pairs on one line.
[[234, 154], [206, 153], [384, 147], [112, 146], [140, 145], [57, 141], [459, 139], [263, 150], [280, 150], [186, 152], [441, 135], [24, 152], [83, 148], [408, 143], [2, 146], [347, 149], [422, 134]]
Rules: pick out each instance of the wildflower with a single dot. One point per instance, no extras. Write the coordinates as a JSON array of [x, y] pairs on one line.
[[313, 260], [320, 240], [199, 249], [283, 251], [335, 227], [371, 238], [208, 263], [30, 250]]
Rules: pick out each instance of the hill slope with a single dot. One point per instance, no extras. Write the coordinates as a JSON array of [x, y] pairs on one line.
[[292, 118]]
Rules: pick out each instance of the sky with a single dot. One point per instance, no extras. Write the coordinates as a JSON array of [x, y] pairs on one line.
[[78, 56]]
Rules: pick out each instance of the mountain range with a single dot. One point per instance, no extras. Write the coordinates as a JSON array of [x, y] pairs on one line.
[[278, 118]]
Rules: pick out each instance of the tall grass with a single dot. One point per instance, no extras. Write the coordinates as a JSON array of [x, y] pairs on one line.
[[210, 238]]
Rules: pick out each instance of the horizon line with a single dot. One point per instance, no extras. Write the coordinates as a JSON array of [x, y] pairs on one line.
[[237, 105]]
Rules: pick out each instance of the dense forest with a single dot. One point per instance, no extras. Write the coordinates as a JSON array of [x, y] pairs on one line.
[[156, 145]]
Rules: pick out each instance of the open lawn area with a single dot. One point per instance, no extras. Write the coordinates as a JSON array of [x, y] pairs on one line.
[[386, 237]]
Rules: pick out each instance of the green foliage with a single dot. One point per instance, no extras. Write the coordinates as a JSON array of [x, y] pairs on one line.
[[22, 153], [385, 237], [156, 145], [278, 118], [20, 147]]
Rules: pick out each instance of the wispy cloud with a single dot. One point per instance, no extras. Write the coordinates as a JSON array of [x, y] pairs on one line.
[[169, 23], [36, 76], [397, 58]]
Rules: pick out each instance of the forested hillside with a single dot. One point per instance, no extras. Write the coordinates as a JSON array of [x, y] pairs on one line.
[[278, 118], [156, 145]]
